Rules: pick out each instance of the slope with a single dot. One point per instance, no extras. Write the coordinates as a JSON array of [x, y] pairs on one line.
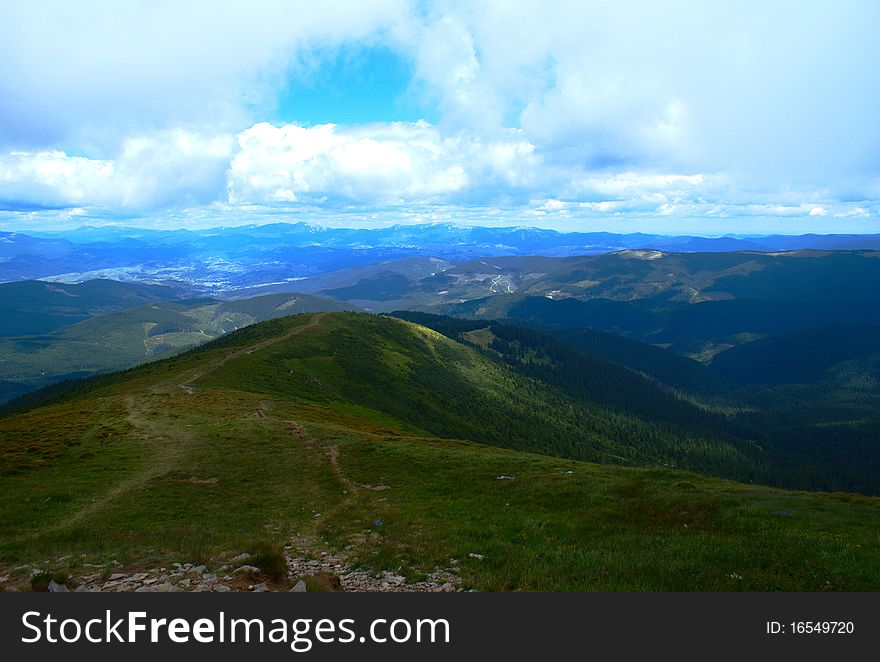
[[124, 338], [252, 438], [38, 307]]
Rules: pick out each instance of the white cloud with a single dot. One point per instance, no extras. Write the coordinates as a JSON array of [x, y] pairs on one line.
[[94, 71], [176, 168], [397, 163], [749, 109], [773, 96]]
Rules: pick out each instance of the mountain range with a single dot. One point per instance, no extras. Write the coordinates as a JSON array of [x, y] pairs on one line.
[[639, 419], [221, 260]]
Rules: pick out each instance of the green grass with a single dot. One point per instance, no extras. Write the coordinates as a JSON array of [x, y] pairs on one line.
[[124, 338], [140, 473]]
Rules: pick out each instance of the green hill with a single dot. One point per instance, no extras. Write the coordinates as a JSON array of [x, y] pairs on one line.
[[837, 355], [124, 338], [343, 432], [35, 307]]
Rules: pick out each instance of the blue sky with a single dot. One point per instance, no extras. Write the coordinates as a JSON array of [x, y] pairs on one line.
[[675, 116]]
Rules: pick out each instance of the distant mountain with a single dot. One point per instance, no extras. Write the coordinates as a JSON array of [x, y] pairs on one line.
[[652, 280], [221, 260], [36, 307]]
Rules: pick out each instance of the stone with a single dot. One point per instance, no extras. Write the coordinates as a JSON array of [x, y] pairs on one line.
[[299, 587], [245, 569], [260, 588], [221, 588], [244, 556], [55, 587]]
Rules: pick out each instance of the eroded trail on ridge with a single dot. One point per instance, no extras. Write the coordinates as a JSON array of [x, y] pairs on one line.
[[167, 442], [187, 386], [167, 445]]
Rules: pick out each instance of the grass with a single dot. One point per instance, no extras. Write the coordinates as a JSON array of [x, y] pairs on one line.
[[269, 558], [141, 473]]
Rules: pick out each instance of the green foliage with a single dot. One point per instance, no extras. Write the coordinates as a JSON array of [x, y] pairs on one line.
[[40, 582], [270, 559]]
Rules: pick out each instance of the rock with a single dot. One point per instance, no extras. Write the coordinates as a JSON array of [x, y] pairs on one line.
[[208, 577], [260, 588], [244, 569], [479, 557], [116, 576], [141, 576], [299, 587], [244, 556], [221, 588], [199, 569], [55, 587], [147, 589]]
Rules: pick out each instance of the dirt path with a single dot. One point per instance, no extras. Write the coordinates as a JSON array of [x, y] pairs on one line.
[[168, 448], [168, 444], [186, 385]]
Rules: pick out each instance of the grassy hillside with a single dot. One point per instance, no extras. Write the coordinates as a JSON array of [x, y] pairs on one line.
[[36, 307], [276, 433], [124, 338], [425, 380]]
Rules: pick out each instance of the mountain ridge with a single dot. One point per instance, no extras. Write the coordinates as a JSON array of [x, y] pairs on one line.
[[316, 450]]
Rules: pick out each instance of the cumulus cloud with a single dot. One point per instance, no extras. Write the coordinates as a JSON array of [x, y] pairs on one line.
[[169, 168], [561, 109], [772, 94], [396, 163], [95, 71]]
